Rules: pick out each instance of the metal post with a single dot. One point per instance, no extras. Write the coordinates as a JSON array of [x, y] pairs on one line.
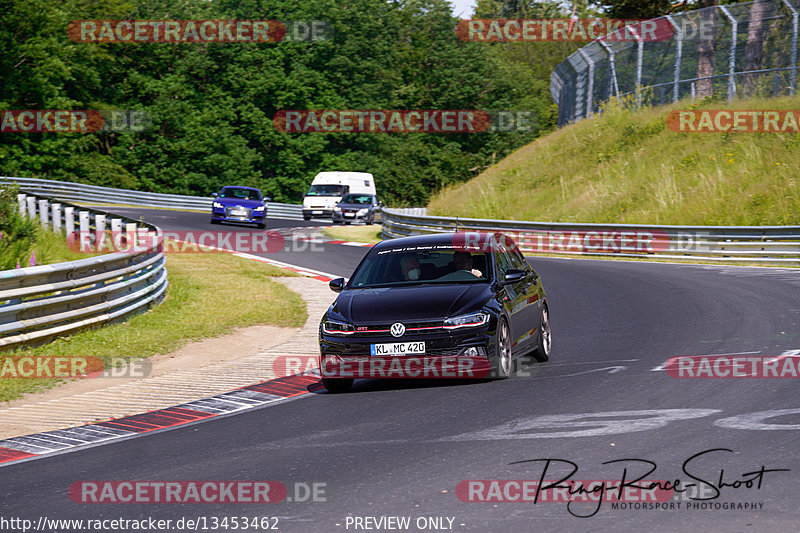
[[793, 71], [590, 88], [69, 220], [613, 65], [57, 218], [23, 204], [678, 56], [99, 230], [83, 223], [732, 57], [44, 210], [31, 207], [639, 61]]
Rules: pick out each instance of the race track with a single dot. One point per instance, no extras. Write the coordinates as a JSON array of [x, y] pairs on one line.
[[401, 448]]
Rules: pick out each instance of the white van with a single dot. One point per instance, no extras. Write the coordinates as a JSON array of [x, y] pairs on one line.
[[328, 188]]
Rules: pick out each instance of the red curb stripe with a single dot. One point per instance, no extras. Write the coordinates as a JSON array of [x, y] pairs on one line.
[[153, 420], [7, 454]]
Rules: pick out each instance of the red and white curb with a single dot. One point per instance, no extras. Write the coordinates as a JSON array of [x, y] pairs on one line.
[[278, 390]]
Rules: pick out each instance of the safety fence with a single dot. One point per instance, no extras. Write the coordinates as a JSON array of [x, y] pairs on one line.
[[106, 196], [718, 244], [41, 302]]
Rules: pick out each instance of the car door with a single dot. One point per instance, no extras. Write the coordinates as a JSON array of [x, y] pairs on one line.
[[530, 289], [514, 298]]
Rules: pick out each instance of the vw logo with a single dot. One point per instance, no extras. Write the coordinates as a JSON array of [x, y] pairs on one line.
[[398, 329]]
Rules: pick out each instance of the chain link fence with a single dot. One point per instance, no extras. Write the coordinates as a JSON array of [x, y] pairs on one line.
[[746, 49]]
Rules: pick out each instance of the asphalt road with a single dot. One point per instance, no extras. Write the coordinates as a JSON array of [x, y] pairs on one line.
[[402, 448]]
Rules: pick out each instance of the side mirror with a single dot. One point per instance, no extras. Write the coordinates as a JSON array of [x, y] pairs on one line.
[[513, 275], [336, 285], [213, 195], [267, 199]]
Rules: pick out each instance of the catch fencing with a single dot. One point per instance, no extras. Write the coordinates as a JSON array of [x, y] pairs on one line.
[[745, 49]]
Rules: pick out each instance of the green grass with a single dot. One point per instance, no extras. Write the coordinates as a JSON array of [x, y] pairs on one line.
[[364, 233], [209, 295], [628, 167]]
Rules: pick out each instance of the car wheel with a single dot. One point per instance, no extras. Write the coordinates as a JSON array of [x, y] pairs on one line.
[[306, 217], [335, 221], [261, 226], [347, 223], [214, 221], [501, 368], [542, 352], [337, 386], [370, 220]]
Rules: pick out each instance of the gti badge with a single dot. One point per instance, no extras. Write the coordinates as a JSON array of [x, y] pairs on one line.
[[398, 329]]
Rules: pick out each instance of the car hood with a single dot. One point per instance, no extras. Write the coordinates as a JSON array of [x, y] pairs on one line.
[[230, 202], [416, 303]]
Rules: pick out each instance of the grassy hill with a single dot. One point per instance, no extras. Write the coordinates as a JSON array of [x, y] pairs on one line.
[[628, 167]]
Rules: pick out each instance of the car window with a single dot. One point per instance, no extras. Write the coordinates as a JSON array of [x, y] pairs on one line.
[[502, 261], [435, 264], [364, 199], [516, 259], [240, 193]]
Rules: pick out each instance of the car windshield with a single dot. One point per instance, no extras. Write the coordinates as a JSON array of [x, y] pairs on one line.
[[365, 199], [421, 265], [240, 193], [327, 190]]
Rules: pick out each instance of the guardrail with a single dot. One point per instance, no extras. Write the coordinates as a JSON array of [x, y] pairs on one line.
[[94, 194], [759, 244], [41, 302]]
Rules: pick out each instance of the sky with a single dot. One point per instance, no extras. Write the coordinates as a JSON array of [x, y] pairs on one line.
[[463, 8]]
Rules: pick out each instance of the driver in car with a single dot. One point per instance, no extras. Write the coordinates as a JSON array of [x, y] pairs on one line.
[[463, 261]]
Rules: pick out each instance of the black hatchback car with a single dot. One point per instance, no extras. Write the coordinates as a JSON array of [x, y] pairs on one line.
[[357, 207], [444, 305]]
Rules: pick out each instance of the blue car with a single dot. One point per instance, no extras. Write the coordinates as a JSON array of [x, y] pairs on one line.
[[239, 204]]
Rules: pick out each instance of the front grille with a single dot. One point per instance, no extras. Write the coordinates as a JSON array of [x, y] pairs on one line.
[[416, 328]]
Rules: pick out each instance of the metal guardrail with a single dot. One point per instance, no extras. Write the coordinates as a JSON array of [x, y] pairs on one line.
[[94, 194], [41, 302], [745, 49], [771, 244]]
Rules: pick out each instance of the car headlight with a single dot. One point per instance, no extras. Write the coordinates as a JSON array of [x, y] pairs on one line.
[[332, 327], [260, 208], [362, 212], [218, 205], [466, 321], [337, 208]]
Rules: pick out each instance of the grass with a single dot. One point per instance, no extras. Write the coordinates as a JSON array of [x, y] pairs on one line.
[[209, 294], [364, 233], [628, 167]]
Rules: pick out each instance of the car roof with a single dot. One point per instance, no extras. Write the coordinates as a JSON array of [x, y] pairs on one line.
[[433, 239]]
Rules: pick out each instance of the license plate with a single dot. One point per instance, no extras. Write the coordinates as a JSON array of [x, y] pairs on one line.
[[238, 213], [398, 348], [350, 214], [316, 212]]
